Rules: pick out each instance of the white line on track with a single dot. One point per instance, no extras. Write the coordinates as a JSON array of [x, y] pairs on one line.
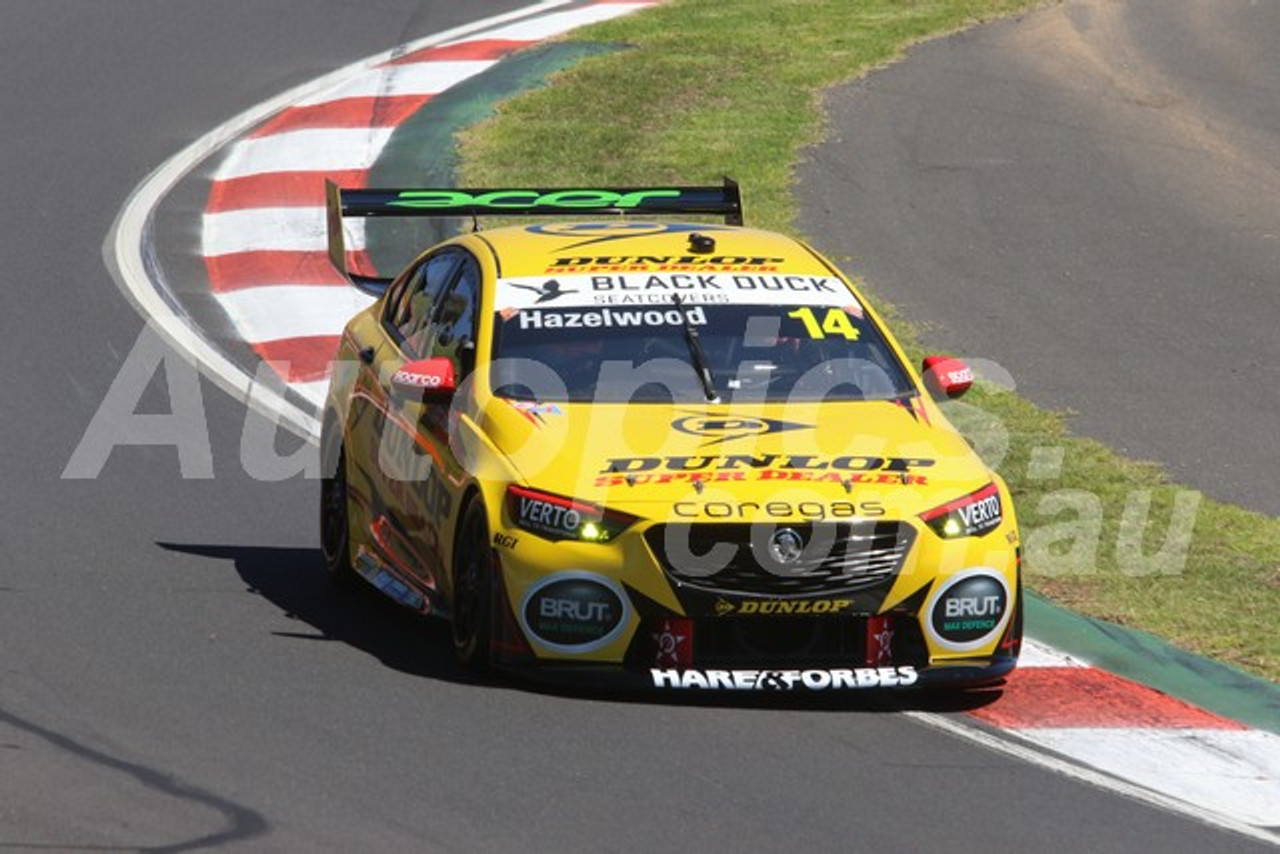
[[1231, 772], [1003, 743]]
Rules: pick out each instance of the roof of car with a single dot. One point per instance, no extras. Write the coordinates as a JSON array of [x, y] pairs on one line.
[[626, 246]]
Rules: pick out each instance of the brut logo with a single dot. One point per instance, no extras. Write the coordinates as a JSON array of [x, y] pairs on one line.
[[975, 606], [574, 612], [969, 610]]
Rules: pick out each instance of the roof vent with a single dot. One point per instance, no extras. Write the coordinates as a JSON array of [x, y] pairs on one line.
[[701, 243]]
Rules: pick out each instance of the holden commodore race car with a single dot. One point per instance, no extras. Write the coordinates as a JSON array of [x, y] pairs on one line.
[[639, 449]]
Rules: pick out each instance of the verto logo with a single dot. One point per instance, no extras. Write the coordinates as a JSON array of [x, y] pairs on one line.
[[982, 515], [547, 516], [717, 430], [525, 199]]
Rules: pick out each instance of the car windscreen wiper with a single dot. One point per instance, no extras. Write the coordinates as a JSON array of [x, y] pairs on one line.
[[698, 355]]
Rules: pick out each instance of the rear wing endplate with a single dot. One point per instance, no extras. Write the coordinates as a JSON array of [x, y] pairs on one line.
[[724, 200]]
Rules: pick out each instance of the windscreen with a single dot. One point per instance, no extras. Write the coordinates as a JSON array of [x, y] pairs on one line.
[[686, 338]]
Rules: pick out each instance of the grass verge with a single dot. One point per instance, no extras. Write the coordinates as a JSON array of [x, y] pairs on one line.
[[713, 87]]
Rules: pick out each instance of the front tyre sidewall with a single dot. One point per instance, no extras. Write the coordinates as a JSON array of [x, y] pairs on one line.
[[335, 522], [473, 590]]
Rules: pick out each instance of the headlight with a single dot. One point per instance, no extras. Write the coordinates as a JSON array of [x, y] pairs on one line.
[[976, 514], [555, 517]]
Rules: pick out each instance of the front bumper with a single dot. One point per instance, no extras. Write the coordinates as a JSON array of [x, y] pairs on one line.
[[798, 654], [616, 615]]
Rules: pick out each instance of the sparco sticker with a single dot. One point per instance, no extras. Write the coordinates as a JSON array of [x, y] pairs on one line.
[[969, 610], [786, 680], [574, 612]]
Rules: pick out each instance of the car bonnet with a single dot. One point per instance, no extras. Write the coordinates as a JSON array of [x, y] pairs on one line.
[[880, 457]]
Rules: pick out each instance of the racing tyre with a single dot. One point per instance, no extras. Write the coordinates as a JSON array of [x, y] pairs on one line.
[[335, 529], [473, 590]]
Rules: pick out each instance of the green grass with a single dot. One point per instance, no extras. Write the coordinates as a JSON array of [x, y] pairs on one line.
[[706, 88]]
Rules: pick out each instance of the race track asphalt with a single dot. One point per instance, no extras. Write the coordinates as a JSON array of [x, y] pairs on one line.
[[176, 673], [1085, 195]]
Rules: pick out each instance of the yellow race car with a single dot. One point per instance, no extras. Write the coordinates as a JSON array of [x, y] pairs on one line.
[[672, 454]]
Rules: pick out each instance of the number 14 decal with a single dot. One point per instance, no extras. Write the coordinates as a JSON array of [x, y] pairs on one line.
[[835, 322]]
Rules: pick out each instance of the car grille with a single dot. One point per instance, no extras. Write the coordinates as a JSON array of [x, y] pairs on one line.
[[837, 557], [790, 642]]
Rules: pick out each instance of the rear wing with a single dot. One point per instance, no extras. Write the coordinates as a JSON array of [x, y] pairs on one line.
[[724, 200]]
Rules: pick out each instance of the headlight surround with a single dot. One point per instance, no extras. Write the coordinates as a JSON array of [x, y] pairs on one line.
[[975, 515], [556, 517]]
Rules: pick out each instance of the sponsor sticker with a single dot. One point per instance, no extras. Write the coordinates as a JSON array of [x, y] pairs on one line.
[[879, 640], [771, 475], [535, 411], [781, 607], [567, 289], [517, 200], [608, 318], [717, 429], [574, 612], [857, 678], [549, 291], [417, 379], [982, 515], [781, 462], [665, 263], [600, 234], [673, 643], [969, 610], [974, 515], [558, 518], [382, 578], [757, 510], [790, 468], [531, 407]]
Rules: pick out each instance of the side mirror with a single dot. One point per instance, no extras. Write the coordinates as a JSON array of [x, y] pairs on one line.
[[429, 380], [946, 377]]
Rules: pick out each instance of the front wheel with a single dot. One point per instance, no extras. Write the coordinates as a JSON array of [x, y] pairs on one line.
[[473, 590], [335, 528]]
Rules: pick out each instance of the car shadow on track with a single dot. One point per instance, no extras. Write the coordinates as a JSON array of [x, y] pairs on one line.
[[293, 579], [935, 700]]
